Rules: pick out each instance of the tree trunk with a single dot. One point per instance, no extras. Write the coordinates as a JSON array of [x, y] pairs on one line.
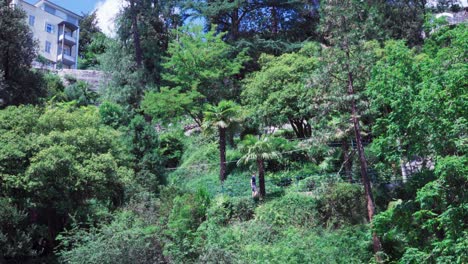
[[52, 224], [222, 154], [136, 35], [234, 24], [348, 164], [261, 177], [301, 128], [274, 20], [362, 160]]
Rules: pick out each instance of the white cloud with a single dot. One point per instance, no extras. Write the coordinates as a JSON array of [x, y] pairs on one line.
[[106, 12]]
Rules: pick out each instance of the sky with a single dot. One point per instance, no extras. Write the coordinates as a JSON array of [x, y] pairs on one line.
[[106, 10]]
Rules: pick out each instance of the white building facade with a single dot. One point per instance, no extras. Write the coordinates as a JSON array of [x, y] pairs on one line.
[[57, 32]]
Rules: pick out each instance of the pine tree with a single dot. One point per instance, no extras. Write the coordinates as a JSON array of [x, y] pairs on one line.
[[346, 26]]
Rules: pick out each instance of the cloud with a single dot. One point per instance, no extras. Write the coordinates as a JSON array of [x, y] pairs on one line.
[[106, 12]]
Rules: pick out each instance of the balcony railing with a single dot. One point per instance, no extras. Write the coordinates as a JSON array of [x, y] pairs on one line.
[[66, 59], [69, 40]]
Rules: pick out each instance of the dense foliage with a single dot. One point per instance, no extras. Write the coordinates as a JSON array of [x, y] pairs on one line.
[[348, 119]]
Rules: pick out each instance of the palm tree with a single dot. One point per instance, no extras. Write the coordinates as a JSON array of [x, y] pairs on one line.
[[220, 118], [258, 150]]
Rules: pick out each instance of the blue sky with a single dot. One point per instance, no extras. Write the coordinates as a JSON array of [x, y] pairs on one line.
[[77, 6]]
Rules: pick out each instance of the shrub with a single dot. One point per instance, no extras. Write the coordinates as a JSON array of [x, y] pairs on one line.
[[172, 148], [342, 204], [293, 209], [124, 240], [143, 142], [295, 245], [15, 235], [224, 210], [188, 212], [112, 114], [54, 86], [81, 93], [232, 156]]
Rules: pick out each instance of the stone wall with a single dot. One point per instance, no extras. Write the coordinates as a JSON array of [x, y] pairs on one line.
[[94, 78]]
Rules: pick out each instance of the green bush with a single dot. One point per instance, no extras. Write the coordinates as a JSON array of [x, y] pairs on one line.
[[293, 209], [143, 142], [15, 234], [224, 210], [113, 115], [294, 245], [188, 212], [259, 242], [55, 87], [342, 204], [172, 148], [433, 225], [232, 156], [127, 239], [81, 93]]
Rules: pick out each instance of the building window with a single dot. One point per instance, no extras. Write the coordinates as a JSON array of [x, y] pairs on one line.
[[49, 28], [49, 9], [67, 50], [48, 46], [32, 20]]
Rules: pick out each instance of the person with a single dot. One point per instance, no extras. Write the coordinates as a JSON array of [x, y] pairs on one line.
[[253, 184]]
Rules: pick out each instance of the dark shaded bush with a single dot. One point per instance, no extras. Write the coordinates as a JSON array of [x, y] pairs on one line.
[[81, 93], [172, 148], [15, 233], [342, 204], [113, 114]]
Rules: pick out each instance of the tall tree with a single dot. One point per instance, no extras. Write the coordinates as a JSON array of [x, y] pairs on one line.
[[221, 117], [346, 25], [403, 19], [201, 68], [18, 83], [279, 93], [258, 150], [144, 30], [133, 13], [421, 101], [92, 42], [88, 29]]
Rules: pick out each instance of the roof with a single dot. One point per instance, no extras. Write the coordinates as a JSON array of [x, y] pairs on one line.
[[58, 7]]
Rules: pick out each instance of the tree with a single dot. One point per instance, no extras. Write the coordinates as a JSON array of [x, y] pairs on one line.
[[402, 19], [346, 25], [143, 143], [144, 30], [125, 86], [59, 162], [258, 150], [201, 68], [18, 83], [89, 57], [134, 57], [221, 117], [279, 92], [291, 21], [421, 98], [89, 29]]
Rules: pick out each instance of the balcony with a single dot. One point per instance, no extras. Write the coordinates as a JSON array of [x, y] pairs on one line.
[[66, 59], [69, 40]]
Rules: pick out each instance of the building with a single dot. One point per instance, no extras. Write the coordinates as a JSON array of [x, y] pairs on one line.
[[57, 32]]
